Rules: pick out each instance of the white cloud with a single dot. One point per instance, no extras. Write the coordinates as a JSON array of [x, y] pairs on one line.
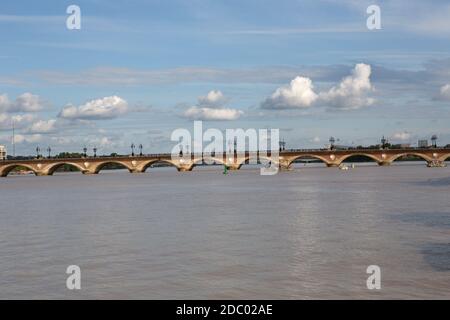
[[298, 94], [198, 113], [4, 102], [445, 92], [20, 120], [20, 138], [99, 109], [211, 107], [214, 99], [43, 126], [351, 93], [26, 102], [402, 136]]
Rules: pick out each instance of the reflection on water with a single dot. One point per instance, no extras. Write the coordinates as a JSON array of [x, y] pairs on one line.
[[438, 255], [308, 233], [430, 219]]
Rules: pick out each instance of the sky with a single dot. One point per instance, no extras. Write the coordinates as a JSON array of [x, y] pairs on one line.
[[137, 70]]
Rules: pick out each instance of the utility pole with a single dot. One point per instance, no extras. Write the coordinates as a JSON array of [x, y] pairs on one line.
[[13, 139]]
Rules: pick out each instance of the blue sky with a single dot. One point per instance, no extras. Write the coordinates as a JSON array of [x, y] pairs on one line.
[[139, 69]]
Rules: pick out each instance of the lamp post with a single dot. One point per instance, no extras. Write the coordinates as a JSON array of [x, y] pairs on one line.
[[434, 140], [383, 142], [95, 152], [49, 150], [38, 150], [332, 141], [140, 149], [85, 152], [132, 149], [282, 145]]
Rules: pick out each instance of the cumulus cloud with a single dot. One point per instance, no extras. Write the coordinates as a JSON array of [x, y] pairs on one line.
[[43, 126], [445, 92], [351, 93], [98, 109], [211, 107], [402, 136], [19, 120], [26, 102], [198, 113], [298, 94], [21, 138], [214, 99]]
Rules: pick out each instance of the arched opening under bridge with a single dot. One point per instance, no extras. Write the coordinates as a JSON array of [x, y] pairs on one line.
[[17, 170], [304, 161], [63, 167], [111, 165], [361, 160]]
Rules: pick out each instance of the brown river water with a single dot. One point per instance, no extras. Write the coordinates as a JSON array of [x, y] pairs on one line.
[[304, 234]]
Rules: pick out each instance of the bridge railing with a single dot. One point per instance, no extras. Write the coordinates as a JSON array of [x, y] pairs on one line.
[[199, 155]]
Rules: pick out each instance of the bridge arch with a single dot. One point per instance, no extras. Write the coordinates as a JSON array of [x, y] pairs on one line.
[[445, 157], [7, 169], [198, 161], [148, 164], [415, 154], [53, 167], [257, 158], [362, 154], [309, 156], [102, 165]]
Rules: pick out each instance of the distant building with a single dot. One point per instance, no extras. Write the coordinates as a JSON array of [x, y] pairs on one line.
[[2, 153], [422, 144], [405, 145]]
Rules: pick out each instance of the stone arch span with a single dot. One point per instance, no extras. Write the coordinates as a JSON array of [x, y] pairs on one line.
[[7, 169], [198, 161], [53, 167], [445, 157], [258, 158], [418, 155], [309, 156], [148, 164], [102, 165], [365, 155]]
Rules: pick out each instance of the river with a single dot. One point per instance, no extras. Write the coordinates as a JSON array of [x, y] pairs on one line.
[[305, 234]]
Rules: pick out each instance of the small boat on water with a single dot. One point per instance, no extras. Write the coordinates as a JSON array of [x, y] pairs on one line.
[[343, 167]]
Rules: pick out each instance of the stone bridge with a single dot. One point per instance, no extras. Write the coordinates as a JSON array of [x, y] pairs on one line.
[[138, 164]]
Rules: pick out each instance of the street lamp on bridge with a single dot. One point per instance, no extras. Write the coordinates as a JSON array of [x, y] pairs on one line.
[[38, 150], [332, 141], [383, 142], [132, 149], [282, 145], [95, 152], [85, 152], [140, 149], [434, 140], [49, 150]]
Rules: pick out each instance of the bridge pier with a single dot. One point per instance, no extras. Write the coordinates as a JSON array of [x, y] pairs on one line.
[[384, 163], [136, 171], [88, 172], [436, 164], [332, 165], [184, 169], [233, 167]]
